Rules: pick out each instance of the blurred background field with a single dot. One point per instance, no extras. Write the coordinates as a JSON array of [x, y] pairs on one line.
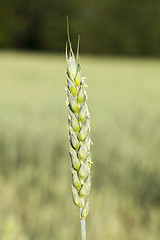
[[35, 178], [120, 53]]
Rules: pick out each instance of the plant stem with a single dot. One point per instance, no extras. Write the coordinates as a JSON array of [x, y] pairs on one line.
[[83, 228]]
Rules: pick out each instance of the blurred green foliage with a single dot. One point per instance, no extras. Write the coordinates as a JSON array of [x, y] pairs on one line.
[[119, 27], [35, 177]]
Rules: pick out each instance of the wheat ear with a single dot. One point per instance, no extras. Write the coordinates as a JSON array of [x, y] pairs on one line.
[[79, 134]]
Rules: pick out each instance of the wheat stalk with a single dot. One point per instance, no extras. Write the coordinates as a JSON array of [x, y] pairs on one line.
[[79, 134]]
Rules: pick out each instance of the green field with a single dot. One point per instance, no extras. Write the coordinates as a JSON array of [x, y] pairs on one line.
[[35, 177]]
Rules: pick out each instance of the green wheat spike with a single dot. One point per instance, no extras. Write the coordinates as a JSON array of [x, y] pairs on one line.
[[79, 133]]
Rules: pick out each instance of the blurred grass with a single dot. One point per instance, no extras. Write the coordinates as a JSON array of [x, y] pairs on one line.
[[35, 179]]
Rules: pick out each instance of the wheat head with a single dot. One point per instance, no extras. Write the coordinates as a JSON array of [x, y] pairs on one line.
[[79, 131]]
